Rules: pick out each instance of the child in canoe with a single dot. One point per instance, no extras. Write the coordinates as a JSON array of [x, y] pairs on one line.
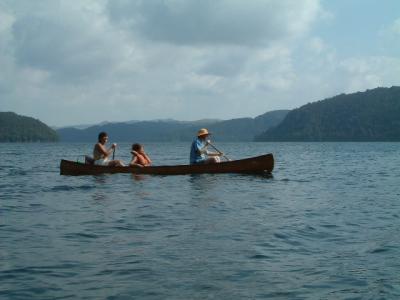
[[139, 156]]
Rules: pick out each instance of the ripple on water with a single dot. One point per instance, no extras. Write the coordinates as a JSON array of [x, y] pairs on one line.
[[381, 250], [63, 188], [260, 256], [127, 227], [17, 172], [80, 236]]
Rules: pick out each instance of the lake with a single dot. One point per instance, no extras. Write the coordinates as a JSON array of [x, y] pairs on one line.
[[325, 226]]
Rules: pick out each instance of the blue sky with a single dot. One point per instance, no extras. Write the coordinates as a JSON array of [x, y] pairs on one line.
[[358, 26], [78, 62]]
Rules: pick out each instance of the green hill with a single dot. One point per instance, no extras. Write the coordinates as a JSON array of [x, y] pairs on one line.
[[16, 128], [373, 115]]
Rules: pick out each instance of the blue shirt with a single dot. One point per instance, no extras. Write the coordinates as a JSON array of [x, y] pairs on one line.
[[197, 151]]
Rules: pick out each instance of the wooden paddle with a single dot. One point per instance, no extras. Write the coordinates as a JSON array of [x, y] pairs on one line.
[[215, 148]]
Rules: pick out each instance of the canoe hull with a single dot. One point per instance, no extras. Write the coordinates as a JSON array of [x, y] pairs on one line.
[[254, 165]]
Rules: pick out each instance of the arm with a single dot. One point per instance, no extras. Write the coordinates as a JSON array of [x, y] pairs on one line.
[[215, 153], [147, 158], [103, 150], [112, 148], [134, 161], [201, 147]]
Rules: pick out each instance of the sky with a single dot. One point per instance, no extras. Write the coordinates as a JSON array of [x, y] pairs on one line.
[[70, 62]]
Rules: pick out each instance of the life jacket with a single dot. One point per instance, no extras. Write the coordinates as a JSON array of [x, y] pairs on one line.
[[141, 159]]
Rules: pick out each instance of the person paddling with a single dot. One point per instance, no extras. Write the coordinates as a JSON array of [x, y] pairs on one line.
[[198, 151], [101, 154]]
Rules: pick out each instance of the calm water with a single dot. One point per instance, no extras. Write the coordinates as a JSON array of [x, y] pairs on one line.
[[326, 226]]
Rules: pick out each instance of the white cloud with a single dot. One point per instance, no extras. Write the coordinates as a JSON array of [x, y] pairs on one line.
[[370, 72], [70, 44], [395, 28], [316, 45], [222, 22]]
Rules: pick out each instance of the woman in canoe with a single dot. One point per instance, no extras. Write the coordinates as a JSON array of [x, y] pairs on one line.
[[139, 156], [198, 151], [101, 154]]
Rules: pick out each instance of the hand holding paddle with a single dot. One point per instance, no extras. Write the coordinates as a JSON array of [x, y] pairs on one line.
[[114, 146], [215, 148]]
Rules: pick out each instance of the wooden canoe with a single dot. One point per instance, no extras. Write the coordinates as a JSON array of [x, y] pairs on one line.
[[253, 165]]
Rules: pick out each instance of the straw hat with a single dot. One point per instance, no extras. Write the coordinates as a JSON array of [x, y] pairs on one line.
[[203, 131]]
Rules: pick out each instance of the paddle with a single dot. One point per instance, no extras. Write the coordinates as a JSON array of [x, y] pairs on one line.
[[215, 148], [113, 153]]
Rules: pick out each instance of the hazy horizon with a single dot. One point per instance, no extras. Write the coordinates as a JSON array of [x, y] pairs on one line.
[[153, 120]]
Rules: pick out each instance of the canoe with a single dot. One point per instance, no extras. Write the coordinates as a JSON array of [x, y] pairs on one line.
[[263, 164]]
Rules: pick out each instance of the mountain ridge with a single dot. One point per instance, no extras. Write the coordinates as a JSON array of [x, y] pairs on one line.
[[241, 129]]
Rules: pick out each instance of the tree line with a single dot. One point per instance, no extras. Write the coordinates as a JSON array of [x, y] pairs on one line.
[[16, 128], [373, 115]]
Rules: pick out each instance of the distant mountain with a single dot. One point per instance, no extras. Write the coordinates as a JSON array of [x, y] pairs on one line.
[[81, 126], [16, 128], [243, 129], [373, 115]]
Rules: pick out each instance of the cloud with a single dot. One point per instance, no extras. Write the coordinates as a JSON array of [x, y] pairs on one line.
[[66, 42], [395, 28], [214, 22], [370, 72], [70, 62]]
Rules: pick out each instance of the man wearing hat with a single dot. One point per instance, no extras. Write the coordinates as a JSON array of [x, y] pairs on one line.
[[199, 153]]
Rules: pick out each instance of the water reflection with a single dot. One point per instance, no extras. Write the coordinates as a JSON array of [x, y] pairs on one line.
[[100, 196], [202, 182], [138, 177], [100, 179]]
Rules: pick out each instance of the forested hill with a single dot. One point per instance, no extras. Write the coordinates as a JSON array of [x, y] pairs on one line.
[[234, 130], [373, 115], [16, 128]]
